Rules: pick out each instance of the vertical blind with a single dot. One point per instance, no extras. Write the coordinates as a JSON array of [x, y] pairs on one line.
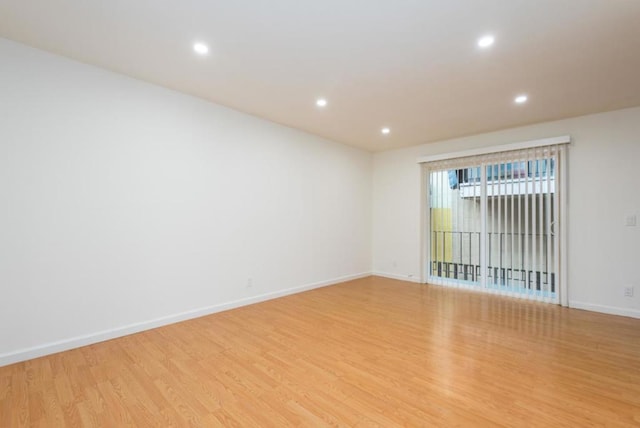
[[493, 222]]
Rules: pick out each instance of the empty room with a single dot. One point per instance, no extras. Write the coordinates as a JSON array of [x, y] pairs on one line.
[[333, 213]]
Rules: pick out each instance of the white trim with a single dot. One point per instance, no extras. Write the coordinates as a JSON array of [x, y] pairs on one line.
[[564, 139], [398, 276], [611, 310], [563, 227], [425, 226], [88, 339]]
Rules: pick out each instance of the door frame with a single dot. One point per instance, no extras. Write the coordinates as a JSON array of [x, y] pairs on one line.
[[560, 200]]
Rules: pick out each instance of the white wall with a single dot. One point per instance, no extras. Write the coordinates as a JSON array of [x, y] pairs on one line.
[[604, 187], [124, 206]]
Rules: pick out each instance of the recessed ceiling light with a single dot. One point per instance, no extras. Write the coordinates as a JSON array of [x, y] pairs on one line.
[[200, 48], [486, 41], [521, 99], [321, 102], [385, 131]]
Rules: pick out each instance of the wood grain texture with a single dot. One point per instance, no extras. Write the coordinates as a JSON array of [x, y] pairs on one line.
[[370, 352]]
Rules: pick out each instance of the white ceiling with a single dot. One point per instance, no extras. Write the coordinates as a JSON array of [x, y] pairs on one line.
[[412, 65]]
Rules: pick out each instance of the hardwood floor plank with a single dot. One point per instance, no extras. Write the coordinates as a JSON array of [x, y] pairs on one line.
[[53, 414], [118, 408]]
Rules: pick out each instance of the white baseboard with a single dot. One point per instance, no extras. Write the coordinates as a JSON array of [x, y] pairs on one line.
[[88, 339], [612, 310], [397, 276]]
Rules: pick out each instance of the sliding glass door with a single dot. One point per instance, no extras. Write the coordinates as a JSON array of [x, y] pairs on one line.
[[492, 223]]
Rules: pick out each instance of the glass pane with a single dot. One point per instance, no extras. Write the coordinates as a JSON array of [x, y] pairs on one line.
[[454, 201], [520, 209]]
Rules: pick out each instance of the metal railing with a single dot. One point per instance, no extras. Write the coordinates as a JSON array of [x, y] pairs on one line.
[[512, 268]]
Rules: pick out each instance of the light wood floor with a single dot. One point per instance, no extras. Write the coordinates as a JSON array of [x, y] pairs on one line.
[[371, 352]]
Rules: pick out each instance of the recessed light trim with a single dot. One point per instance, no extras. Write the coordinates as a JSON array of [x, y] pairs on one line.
[[521, 99], [385, 130], [200, 48], [321, 102], [486, 41]]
